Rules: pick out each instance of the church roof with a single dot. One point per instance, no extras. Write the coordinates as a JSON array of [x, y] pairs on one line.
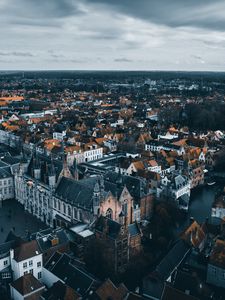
[[75, 192]]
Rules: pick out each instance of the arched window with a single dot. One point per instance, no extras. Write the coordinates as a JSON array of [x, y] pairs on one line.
[[64, 208], [75, 213], [69, 211], [109, 213]]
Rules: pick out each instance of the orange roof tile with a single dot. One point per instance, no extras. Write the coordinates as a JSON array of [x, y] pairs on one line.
[[194, 234]]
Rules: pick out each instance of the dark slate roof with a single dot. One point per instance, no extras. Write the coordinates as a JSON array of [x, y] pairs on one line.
[[10, 160], [5, 248], [133, 229], [43, 238], [152, 287], [136, 186], [61, 265], [111, 227], [115, 189], [172, 293], [5, 172], [60, 291], [3, 164], [90, 181], [184, 281], [172, 259], [184, 200], [59, 128], [6, 270], [45, 164], [75, 192], [11, 236]]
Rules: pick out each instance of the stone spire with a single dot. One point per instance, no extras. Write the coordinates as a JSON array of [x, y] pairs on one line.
[[96, 198], [75, 170], [52, 174], [65, 170]]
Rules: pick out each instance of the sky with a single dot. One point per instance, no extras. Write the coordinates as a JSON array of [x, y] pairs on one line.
[[112, 35]]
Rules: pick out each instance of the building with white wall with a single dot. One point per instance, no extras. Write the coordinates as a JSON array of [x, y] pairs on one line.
[[26, 259], [26, 287]]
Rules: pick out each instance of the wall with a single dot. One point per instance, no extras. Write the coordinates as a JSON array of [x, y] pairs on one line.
[[2, 266], [49, 278]]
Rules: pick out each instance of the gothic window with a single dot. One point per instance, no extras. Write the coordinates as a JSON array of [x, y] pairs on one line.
[[78, 215], [124, 208], [69, 211], [75, 213], [58, 205], [109, 213], [64, 208]]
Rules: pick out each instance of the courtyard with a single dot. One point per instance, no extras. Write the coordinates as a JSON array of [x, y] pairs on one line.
[[13, 217]]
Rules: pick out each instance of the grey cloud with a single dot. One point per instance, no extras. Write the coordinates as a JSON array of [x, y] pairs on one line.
[[15, 53], [215, 44], [123, 59], [67, 60], [54, 55], [130, 45], [196, 57], [103, 36], [39, 12], [174, 13]]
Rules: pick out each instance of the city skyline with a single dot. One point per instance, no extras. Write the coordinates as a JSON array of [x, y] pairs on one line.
[[112, 35]]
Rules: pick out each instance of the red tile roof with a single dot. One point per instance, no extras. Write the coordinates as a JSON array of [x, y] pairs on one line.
[[27, 284], [109, 290], [26, 251]]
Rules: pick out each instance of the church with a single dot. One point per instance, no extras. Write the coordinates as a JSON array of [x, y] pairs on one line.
[[60, 195]]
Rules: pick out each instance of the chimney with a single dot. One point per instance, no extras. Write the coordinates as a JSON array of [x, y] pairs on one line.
[[12, 254], [191, 220]]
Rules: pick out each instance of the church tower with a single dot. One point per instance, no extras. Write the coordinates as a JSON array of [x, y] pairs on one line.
[[36, 165], [75, 170], [96, 198], [65, 170], [52, 175]]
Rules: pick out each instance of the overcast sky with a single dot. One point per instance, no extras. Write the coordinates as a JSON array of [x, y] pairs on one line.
[[112, 34]]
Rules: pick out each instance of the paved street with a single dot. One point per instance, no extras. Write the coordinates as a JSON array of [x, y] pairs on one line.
[[12, 216]]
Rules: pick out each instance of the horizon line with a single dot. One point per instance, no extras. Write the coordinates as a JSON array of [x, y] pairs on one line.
[[111, 70]]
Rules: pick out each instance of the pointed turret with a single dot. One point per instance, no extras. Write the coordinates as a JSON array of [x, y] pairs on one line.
[[75, 170], [101, 184], [65, 171], [96, 198], [36, 165], [23, 164], [52, 175], [119, 180]]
